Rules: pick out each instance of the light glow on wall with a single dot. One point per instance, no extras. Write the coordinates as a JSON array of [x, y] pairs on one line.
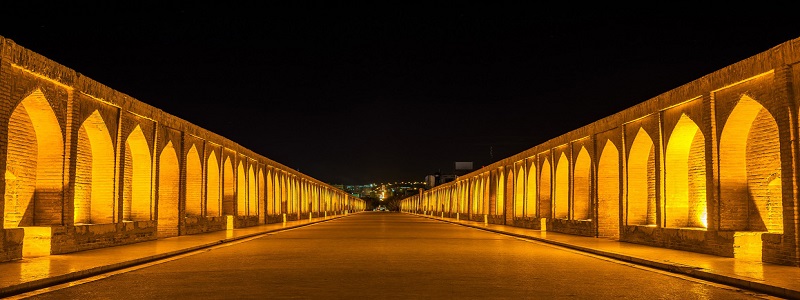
[[531, 207], [519, 193], [168, 189], [545, 198], [241, 191], [94, 182], [137, 184], [562, 188], [34, 163], [685, 176], [641, 181], [213, 200], [194, 183], [581, 182], [750, 170], [608, 191]]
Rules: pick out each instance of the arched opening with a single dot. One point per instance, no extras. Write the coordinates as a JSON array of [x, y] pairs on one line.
[[194, 183], [212, 186], [228, 191], [531, 208], [252, 196], [608, 191], [750, 170], [241, 191], [685, 176], [581, 179], [562, 188], [34, 165], [284, 195], [519, 194], [500, 194], [642, 181], [475, 196], [261, 192], [545, 191], [137, 185], [288, 195], [94, 178], [270, 209], [168, 188]]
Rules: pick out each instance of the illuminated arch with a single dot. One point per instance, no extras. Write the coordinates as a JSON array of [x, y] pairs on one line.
[[229, 189], [252, 196], [519, 194], [562, 188], [212, 186], [168, 189], [475, 197], [34, 164], [284, 193], [750, 170], [194, 183], [545, 191], [94, 179], [137, 178], [531, 206], [277, 193], [608, 191], [500, 193], [642, 181], [685, 176], [581, 179], [261, 192], [241, 191], [270, 209]]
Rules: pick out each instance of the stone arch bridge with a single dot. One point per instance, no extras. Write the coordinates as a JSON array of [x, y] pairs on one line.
[[710, 166], [85, 166]]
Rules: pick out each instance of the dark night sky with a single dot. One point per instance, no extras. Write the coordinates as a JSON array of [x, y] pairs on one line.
[[373, 94]]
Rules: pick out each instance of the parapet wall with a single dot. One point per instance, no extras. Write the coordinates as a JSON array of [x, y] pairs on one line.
[[86, 166], [703, 167]]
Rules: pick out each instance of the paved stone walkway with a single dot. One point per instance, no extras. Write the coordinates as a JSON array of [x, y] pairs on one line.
[[34, 273], [775, 280]]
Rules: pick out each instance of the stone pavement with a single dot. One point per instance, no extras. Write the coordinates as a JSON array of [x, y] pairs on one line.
[[29, 274], [770, 279], [35, 273]]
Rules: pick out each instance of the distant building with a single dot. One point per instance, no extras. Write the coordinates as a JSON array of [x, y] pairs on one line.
[[439, 178], [463, 167], [431, 180]]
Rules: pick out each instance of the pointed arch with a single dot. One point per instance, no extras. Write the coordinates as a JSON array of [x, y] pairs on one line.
[[137, 199], [500, 193], [241, 190], [34, 164], [252, 196], [685, 176], [229, 189], [519, 193], [608, 191], [270, 193], [545, 191], [562, 188], [581, 185], [641, 180], [194, 183], [213, 200], [531, 207], [168, 189], [261, 193], [94, 179], [750, 170]]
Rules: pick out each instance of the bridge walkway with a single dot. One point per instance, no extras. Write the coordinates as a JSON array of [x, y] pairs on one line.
[[35, 273], [771, 279]]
